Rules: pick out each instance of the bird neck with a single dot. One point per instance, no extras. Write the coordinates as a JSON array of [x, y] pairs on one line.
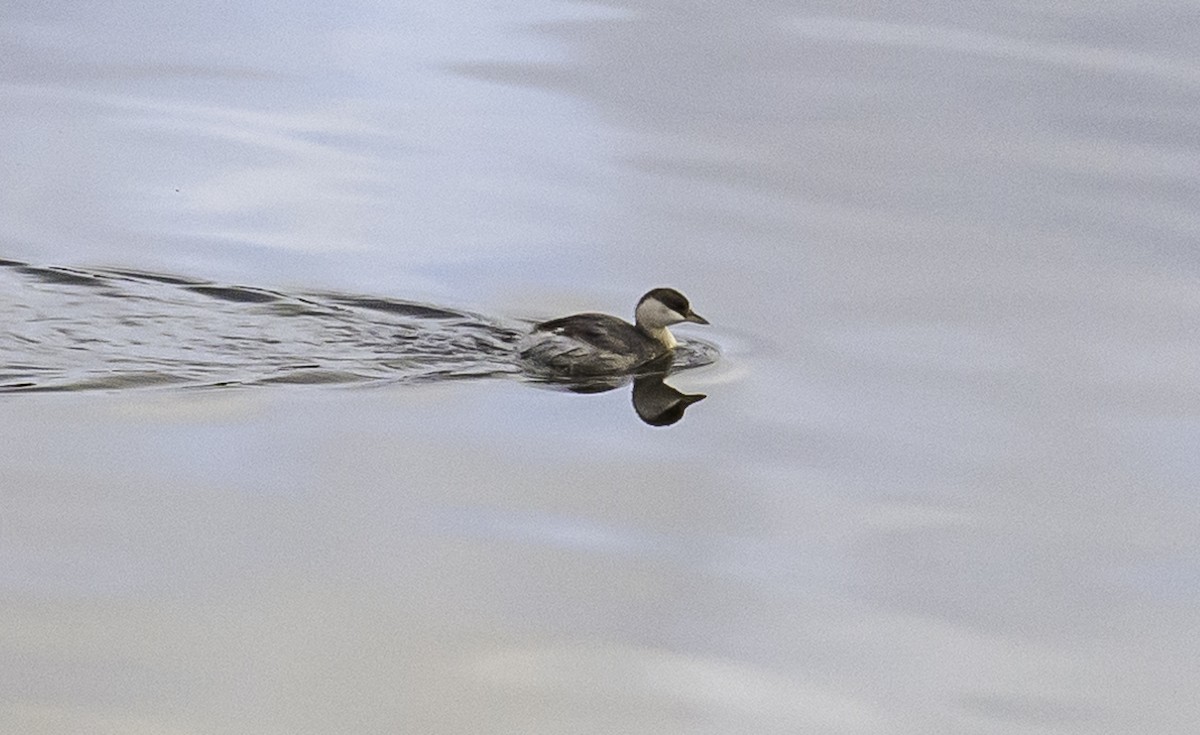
[[659, 334]]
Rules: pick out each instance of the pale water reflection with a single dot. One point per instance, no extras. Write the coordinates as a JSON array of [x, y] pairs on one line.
[[944, 479]]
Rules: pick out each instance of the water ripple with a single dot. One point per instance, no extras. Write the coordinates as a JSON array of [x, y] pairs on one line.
[[108, 329]]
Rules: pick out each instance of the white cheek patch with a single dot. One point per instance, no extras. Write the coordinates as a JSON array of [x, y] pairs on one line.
[[656, 313]]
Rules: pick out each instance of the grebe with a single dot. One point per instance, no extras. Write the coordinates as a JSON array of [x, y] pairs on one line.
[[599, 344]]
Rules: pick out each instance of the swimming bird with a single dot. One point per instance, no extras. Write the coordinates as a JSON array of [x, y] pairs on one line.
[[599, 344]]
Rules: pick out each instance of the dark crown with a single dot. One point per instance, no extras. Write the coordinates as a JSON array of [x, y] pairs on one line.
[[670, 298]]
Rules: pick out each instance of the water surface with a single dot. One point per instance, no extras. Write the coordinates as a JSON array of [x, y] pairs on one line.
[[944, 479]]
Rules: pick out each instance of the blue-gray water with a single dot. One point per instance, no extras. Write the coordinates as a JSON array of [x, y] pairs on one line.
[[944, 479]]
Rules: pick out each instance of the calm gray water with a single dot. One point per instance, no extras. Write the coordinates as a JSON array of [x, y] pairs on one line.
[[944, 479]]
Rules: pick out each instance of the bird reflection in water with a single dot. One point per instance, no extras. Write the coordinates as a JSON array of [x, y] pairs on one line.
[[655, 402]]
